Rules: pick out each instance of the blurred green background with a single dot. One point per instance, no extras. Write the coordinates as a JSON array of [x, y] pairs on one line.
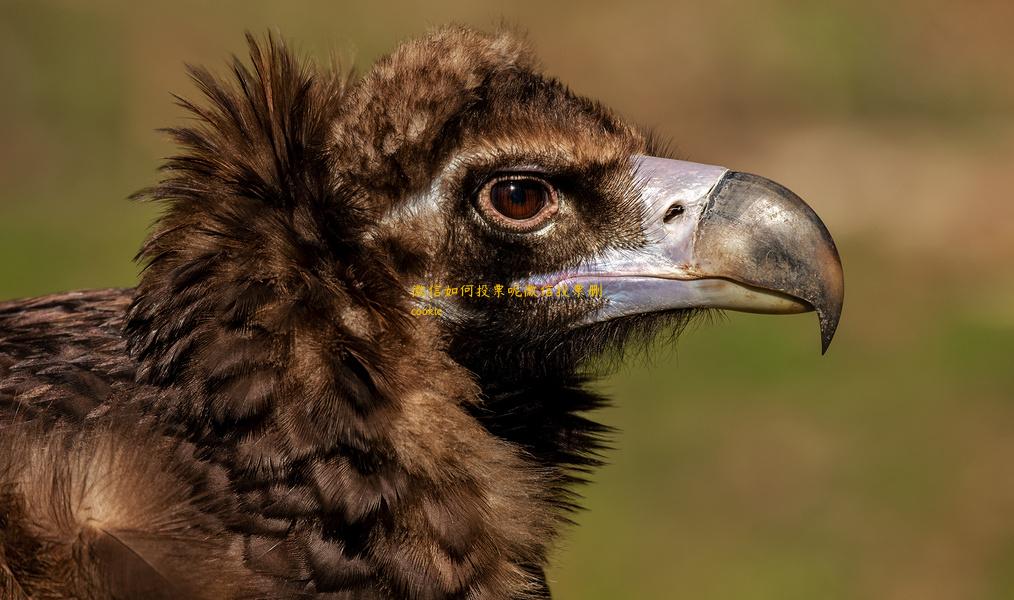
[[747, 466]]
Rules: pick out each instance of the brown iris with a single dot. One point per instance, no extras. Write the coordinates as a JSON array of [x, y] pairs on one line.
[[519, 203]]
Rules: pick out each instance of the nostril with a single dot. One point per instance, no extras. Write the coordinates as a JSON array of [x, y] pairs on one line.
[[674, 211]]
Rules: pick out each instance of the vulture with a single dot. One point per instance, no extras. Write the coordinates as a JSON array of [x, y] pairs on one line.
[[357, 361]]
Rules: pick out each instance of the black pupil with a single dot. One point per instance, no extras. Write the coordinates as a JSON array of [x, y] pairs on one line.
[[519, 199]]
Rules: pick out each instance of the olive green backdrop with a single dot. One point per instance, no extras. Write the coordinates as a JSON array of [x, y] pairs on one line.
[[747, 466]]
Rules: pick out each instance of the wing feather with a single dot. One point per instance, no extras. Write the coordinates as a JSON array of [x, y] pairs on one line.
[[108, 512]]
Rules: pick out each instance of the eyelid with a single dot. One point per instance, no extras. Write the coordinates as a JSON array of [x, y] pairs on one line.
[[512, 174]]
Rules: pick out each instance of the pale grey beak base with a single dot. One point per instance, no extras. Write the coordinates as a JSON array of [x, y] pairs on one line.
[[720, 239]]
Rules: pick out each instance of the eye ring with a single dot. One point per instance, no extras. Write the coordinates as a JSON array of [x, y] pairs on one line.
[[520, 202]]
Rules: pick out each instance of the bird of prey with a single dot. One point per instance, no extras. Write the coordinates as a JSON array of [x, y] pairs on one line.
[[355, 363]]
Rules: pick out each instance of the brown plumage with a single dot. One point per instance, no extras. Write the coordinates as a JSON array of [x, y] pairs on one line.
[[262, 417]]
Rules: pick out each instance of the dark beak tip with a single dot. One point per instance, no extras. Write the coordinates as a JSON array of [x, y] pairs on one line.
[[829, 313], [828, 325], [789, 248]]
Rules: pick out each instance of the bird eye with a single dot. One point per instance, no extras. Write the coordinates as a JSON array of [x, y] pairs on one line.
[[518, 203], [518, 199]]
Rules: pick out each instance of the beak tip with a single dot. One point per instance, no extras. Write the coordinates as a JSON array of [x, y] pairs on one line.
[[829, 313], [828, 325], [825, 343]]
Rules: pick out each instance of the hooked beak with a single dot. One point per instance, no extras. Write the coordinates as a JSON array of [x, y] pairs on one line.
[[720, 239]]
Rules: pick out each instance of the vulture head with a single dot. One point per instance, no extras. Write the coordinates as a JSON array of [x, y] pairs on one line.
[[535, 228], [478, 194], [367, 307]]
